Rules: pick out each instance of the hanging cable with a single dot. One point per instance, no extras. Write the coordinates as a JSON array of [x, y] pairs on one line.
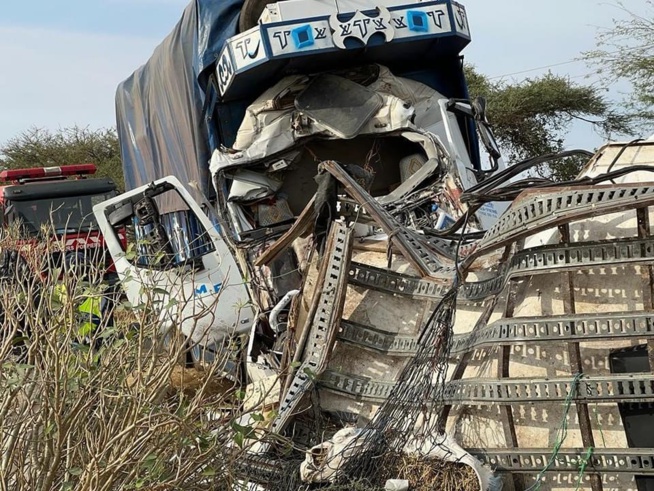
[[561, 432]]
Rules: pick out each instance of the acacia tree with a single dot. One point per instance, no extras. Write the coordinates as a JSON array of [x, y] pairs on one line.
[[626, 51], [39, 147], [531, 117]]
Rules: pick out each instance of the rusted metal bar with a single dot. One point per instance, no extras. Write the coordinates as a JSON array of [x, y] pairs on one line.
[[506, 411], [463, 362], [419, 254], [302, 224]]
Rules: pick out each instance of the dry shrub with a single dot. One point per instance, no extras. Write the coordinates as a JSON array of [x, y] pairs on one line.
[[106, 410], [429, 474]]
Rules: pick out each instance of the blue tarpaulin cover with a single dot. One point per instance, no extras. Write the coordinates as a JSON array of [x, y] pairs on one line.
[[159, 107]]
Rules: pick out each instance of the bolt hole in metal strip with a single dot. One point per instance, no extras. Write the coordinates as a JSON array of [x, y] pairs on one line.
[[540, 209], [537, 260], [582, 327], [533, 460], [623, 388]]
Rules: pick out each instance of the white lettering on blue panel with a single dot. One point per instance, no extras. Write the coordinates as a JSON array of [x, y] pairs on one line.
[[247, 48], [224, 70], [297, 38], [420, 21]]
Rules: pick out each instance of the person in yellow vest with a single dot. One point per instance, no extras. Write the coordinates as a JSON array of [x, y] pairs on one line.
[[92, 305], [88, 313]]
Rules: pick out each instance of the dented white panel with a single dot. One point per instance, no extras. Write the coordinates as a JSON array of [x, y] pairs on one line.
[[207, 303]]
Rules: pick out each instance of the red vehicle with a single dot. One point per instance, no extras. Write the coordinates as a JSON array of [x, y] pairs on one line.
[[52, 210], [57, 202]]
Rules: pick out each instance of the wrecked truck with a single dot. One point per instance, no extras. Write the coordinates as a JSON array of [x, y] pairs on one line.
[[314, 181]]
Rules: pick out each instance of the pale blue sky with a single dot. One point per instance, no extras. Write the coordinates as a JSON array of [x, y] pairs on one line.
[[125, 17], [62, 60]]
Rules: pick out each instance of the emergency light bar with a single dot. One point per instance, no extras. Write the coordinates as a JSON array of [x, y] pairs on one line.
[[16, 175]]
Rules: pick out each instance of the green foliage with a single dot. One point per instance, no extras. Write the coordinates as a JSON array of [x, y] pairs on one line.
[[112, 410], [38, 147], [626, 51], [242, 433], [531, 117], [564, 169]]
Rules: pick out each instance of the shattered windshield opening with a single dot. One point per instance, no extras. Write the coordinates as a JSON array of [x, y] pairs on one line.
[[66, 214]]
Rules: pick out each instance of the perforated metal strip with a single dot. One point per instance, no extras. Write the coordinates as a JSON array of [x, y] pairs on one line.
[[410, 286], [533, 460], [623, 388], [359, 387], [589, 254], [426, 253], [414, 247], [315, 355], [638, 461], [375, 339], [587, 327], [527, 329], [545, 208], [555, 258], [388, 281], [540, 260]]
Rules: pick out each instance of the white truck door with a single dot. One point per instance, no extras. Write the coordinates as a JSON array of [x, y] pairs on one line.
[[187, 274]]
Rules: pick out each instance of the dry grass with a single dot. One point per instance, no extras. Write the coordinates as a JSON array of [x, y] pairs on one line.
[[111, 410], [431, 475]]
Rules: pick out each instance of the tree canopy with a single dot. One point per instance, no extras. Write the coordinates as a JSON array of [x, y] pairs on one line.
[[37, 147], [531, 117], [626, 51]]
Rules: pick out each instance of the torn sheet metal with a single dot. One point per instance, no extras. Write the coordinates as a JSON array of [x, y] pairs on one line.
[[281, 131]]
